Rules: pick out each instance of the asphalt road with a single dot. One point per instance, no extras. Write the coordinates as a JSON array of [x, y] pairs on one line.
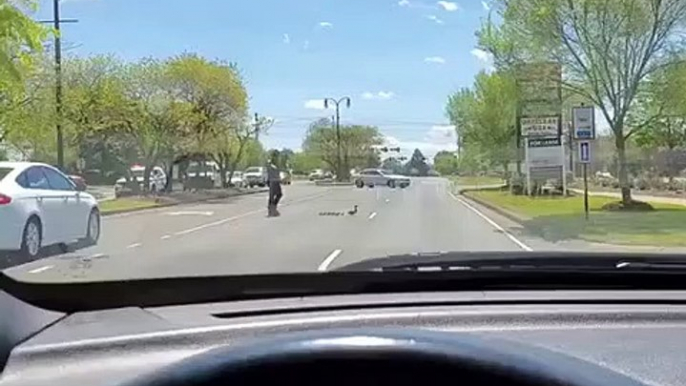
[[314, 233]]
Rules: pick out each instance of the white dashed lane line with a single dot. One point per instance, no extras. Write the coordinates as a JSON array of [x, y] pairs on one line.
[[165, 237], [372, 215], [134, 245], [329, 259]]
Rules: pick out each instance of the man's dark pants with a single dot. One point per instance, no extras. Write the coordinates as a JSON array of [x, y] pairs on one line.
[[275, 194]]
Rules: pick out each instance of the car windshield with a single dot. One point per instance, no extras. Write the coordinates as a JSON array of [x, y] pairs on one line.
[[302, 136]]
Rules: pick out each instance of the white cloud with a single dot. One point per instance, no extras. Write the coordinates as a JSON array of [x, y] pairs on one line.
[[485, 58], [315, 104], [435, 19], [381, 95], [325, 24], [448, 6], [436, 139], [286, 39], [434, 59], [486, 6], [481, 55], [404, 3]]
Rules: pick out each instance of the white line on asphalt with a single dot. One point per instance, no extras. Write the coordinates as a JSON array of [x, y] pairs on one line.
[[329, 259], [246, 214], [220, 222], [388, 200], [134, 245], [41, 269], [165, 237], [371, 216], [493, 223]]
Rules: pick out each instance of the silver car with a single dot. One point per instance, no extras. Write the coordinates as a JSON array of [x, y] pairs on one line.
[[380, 177]]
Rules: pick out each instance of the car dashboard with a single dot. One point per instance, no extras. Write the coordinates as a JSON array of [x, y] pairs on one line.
[[640, 334]]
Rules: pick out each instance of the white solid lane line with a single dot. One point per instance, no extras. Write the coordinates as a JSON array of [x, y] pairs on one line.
[[493, 223], [41, 269], [329, 259], [371, 216]]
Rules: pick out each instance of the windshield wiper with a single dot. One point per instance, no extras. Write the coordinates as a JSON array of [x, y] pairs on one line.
[[495, 261]]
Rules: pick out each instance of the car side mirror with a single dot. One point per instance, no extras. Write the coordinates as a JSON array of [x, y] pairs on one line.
[[80, 188]]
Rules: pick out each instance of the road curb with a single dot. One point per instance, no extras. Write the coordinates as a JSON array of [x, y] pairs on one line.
[[169, 204], [501, 211]]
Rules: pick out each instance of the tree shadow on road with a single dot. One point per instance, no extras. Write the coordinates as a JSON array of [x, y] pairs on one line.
[[663, 227]]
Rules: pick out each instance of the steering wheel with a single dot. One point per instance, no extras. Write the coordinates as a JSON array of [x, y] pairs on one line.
[[379, 357]]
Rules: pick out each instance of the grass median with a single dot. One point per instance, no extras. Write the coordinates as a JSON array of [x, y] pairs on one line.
[[126, 204], [558, 219]]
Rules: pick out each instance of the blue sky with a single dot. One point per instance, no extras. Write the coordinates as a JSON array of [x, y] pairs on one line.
[[397, 59]]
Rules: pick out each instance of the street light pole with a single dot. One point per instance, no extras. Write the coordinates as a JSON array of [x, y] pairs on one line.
[[339, 166], [56, 22], [58, 85]]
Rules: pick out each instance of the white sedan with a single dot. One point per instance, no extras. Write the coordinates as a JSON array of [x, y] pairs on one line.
[[379, 177], [40, 206]]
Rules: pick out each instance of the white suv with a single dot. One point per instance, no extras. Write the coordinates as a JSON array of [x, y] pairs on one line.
[[255, 175]]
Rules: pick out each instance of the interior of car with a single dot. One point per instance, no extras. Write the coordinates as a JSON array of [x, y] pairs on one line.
[[566, 328]]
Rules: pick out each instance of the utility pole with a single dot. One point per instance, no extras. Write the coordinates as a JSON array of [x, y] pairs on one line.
[[56, 21], [337, 103]]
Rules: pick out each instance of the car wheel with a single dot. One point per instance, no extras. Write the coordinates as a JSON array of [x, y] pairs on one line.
[[93, 231], [153, 189], [359, 184], [391, 184], [32, 238]]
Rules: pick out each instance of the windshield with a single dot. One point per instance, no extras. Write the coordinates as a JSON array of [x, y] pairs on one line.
[[291, 136]]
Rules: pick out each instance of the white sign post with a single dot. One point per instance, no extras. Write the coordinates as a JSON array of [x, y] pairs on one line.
[[583, 119]]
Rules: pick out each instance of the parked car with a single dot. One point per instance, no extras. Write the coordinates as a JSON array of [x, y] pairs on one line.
[[40, 206], [207, 169], [379, 177], [236, 179], [286, 178], [255, 176], [320, 174], [158, 180]]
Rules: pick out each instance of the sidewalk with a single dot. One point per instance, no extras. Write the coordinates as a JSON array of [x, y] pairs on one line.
[[639, 197]]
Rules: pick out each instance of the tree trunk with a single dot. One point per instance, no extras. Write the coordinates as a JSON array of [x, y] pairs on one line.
[[623, 173]]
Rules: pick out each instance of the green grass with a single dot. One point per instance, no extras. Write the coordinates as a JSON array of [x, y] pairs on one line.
[[477, 180], [557, 219], [123, 204]]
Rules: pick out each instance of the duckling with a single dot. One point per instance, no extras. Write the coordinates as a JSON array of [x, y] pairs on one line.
[[353, 212]]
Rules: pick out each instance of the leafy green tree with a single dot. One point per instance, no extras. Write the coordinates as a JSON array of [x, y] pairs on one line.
[[445, 162], [484, 118], [417, 165], [357, 145], [608, 49], [305, 162], [393, 164]]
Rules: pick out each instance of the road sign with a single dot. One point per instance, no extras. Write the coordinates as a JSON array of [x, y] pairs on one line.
[[543, 126], [545, 142], [583, 122], [585, 152]]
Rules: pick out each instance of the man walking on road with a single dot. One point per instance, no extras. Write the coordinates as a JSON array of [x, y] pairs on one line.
[[274, 182]]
